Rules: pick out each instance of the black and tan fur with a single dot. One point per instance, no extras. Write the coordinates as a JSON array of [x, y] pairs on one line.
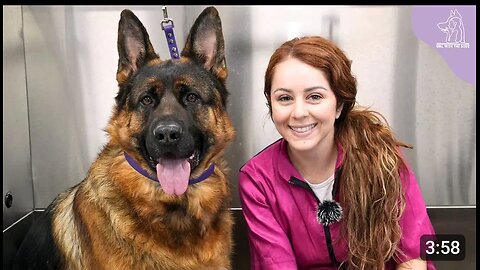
[[118, 219]]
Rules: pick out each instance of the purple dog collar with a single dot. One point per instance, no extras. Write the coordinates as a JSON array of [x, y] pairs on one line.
[[207, 173]]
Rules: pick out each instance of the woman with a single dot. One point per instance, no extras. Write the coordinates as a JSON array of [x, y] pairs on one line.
[[334, 191]]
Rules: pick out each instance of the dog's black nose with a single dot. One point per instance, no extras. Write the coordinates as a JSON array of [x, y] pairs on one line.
[[168, 133]]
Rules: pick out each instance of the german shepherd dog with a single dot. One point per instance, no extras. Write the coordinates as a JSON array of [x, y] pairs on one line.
[[157, 195]]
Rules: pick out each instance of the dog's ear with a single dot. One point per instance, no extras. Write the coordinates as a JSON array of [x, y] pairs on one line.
[[457, 14], [205, 43], [134, 47]]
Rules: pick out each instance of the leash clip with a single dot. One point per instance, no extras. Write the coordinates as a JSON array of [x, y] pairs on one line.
[[166, 19]]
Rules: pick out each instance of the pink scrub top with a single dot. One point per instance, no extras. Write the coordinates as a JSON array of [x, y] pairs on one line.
[[283, 231]]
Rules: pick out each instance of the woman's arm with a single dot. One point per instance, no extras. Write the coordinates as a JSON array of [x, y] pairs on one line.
[[415, 222], [270, 247]]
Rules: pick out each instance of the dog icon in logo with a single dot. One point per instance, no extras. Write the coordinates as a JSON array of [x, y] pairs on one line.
[[453, 28]]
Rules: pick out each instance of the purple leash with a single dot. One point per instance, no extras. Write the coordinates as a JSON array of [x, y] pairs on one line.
[[169, 35]]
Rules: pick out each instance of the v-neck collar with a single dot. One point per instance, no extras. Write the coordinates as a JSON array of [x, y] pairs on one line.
[[287, 169]]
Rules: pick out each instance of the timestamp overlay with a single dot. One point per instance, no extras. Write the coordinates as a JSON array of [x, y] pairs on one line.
[[442, 247]]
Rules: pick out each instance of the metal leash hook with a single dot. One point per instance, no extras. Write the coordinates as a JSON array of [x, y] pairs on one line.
[[167, 27]]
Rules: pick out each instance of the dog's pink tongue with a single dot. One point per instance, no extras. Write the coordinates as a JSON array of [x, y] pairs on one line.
[[173, 175]]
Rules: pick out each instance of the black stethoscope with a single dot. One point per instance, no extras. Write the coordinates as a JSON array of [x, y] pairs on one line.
[[328, 212]]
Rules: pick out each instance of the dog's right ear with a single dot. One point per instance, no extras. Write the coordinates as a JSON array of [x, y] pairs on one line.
[[134, 47]]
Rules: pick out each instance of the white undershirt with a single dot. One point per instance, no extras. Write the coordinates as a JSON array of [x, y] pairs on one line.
[[323, 191]]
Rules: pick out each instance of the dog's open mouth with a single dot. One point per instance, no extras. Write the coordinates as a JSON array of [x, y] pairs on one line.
[[173, 173]]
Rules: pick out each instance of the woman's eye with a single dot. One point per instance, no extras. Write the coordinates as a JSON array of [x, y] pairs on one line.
[[192, 98], [147, 100], [315, 97], [284, 98]]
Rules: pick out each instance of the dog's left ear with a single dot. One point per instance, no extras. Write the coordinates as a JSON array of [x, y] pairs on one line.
[[205, 43]]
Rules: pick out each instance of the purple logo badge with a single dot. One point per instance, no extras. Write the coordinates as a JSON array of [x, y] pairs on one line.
[[451, 31], [454, 31]]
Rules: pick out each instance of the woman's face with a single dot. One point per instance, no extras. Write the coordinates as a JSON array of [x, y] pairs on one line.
[[304, 107]]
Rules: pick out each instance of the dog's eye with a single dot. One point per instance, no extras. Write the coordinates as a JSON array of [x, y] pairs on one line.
[[192, 97], [147, 100]]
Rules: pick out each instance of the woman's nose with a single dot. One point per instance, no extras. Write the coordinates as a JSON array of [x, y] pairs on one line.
[[299, 110]]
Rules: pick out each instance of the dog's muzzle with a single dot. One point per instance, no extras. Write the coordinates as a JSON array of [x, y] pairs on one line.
[[173, 153]]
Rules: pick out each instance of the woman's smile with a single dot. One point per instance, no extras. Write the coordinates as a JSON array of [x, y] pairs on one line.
[[302, 131]]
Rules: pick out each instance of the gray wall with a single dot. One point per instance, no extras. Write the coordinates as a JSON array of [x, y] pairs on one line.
[[17, 167], [59, 85]]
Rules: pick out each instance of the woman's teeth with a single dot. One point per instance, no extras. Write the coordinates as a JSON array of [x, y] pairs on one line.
[[303, 129]]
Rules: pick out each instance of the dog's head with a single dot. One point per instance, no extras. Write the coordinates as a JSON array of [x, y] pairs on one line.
[[170, 115], [451, 23]]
